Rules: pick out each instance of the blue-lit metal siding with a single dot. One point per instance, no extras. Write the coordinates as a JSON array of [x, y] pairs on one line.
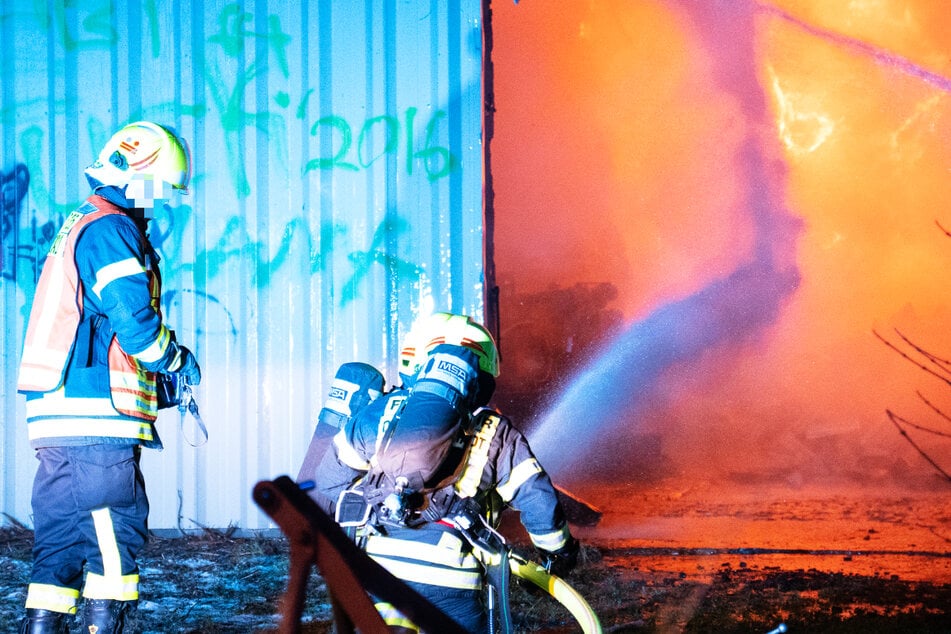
[[336, 193]]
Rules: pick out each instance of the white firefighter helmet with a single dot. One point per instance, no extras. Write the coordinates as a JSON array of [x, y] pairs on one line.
[[458, 330], [145, 158]]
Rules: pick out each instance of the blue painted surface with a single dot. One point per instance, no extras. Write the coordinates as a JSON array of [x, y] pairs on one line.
[[336, 193]]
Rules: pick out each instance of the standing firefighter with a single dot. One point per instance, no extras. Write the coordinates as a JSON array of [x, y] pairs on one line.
[[408, 463], [96, 345]]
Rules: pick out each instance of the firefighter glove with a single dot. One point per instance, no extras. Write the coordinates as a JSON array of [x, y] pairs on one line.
[[189, 368]]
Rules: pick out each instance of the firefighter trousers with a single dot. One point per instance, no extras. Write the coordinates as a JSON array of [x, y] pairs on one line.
[[90, 514]]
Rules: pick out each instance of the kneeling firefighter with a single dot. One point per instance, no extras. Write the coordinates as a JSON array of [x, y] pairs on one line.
[[403, 469]]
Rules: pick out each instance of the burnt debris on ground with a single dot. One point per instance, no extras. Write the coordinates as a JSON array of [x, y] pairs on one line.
[[214, 582]]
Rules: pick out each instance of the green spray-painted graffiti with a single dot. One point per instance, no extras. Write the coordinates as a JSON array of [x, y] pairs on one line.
[[232, 77], [24, 247], [86, 26], [229, 95], [237, 243], [232, 35], [437, 160], [237, 64]]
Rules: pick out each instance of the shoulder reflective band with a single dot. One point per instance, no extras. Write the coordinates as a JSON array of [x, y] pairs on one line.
[[477, 457], [559, 589]]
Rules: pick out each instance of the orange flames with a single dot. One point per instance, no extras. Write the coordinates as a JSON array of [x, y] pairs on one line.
[[663, 146]]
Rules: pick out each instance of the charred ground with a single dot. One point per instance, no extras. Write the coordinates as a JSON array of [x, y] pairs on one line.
[[825, 565]]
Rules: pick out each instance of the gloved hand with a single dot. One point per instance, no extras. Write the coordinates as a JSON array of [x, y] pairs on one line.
[[189, 367], [563, 560]]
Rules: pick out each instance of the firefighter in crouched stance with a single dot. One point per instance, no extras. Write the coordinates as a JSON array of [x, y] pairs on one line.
[[409, 461], [96, 344]]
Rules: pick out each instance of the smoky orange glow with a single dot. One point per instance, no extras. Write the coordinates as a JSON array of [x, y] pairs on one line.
[[761, 183]]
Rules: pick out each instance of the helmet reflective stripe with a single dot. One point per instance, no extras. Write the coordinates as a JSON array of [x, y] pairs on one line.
[[458, 330], [411, 354], [408, 357], [142, 150]]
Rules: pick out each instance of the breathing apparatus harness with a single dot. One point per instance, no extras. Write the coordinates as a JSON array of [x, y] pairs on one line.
[[379, 499]]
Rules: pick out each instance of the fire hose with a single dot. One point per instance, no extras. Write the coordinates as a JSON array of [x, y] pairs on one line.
[[501, 562], [559, 590]]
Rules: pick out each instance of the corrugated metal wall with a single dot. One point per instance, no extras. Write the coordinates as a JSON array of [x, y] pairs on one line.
[[336, 193]]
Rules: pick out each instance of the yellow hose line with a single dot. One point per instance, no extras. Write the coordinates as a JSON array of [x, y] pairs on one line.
[[559, 590]]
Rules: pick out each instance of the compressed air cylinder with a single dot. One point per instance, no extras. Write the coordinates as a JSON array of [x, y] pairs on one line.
[[354, 386]]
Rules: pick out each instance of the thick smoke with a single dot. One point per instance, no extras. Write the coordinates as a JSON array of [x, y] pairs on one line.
[[613, 391], [757, 188]]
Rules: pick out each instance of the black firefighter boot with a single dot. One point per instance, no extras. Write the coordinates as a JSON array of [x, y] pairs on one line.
[[44, 622], [104, 616]]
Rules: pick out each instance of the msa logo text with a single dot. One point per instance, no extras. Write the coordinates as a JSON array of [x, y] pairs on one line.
[[338, 393], [453, 369]]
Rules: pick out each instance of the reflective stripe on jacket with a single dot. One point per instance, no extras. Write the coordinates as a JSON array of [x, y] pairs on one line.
[[126, 411], [500, 459], [432, 553]]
